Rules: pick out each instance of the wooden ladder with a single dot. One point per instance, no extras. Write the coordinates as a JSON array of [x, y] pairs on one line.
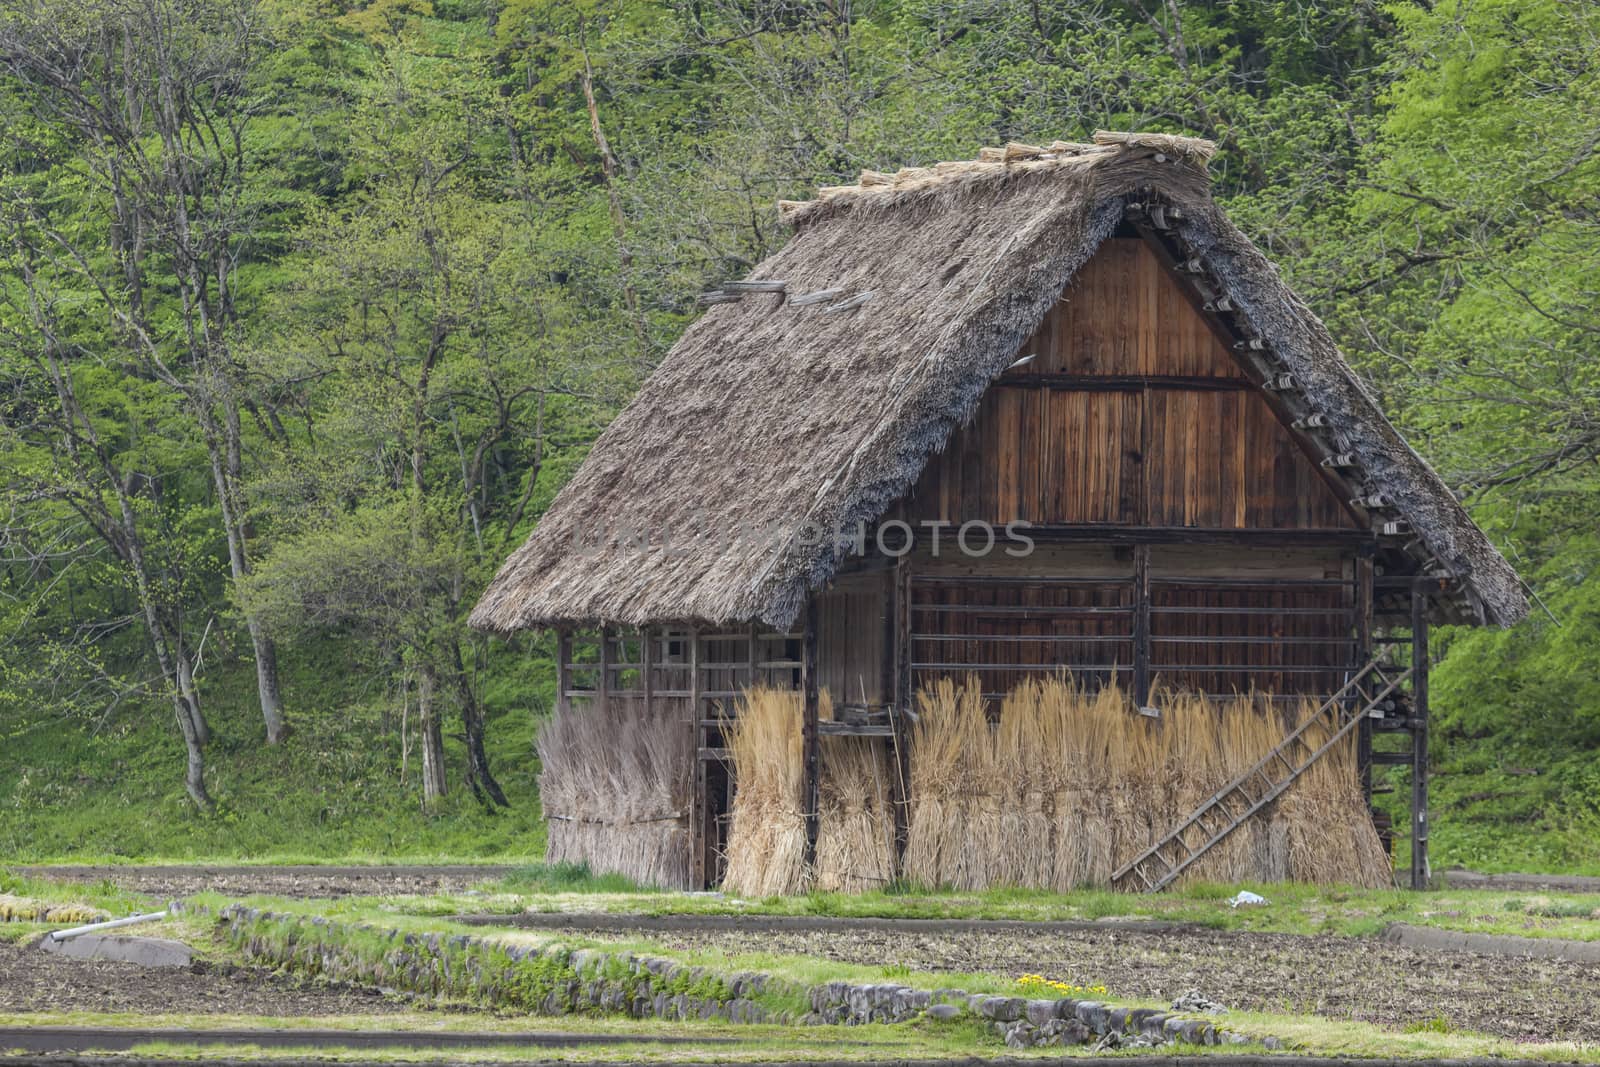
[[1159, 865]]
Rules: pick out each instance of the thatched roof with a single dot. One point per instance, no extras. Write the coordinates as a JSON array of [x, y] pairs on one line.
[[788, 414]]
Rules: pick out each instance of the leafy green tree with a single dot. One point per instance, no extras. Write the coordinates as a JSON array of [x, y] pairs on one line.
[[128, 210], [426, 313]]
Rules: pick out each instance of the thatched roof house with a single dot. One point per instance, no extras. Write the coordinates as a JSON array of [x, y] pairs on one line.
[[1071, 342], [785, 414]]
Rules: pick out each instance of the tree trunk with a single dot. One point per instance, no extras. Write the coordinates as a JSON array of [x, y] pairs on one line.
[[190, 692], [619, 226], [479, 777], [433, 781], [267, 682], [226, 470], [170, 657], [194, 782]]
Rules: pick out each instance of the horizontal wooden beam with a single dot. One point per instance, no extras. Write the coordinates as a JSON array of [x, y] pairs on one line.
[[1122, 383], [1051, 533], [854, 729]]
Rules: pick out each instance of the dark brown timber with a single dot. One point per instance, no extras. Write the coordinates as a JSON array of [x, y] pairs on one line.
[[810, 739]]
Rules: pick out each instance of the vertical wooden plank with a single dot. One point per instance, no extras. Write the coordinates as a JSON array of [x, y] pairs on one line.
[[1030, 456], [889, 628], [699, 842], [1419, 735], [1141, 625], [563, 670], [752, 657], [1008, 455], [902, 635], [603, 694], [1238, 480], [1155, 336], [809, 739]]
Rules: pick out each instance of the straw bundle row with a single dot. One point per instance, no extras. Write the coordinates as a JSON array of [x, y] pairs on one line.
[[616, 788], [767, 838], [1063, 786]]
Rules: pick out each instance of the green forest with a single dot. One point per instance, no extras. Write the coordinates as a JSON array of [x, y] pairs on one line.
[[309, 307]]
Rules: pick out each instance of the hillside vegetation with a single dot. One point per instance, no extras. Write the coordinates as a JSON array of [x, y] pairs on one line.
[[309, 307]]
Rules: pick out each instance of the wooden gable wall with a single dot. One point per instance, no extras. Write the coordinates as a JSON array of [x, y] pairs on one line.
[[1130, 413]]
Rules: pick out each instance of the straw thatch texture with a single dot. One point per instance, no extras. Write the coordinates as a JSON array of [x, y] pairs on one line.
[[1065, 786], [616, 789], [855, 832], [767, 838], [771, 415], [767, 835]]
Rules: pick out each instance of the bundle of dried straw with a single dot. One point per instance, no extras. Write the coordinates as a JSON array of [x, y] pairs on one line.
[[1061, 786], [616, 788], [767, 839]]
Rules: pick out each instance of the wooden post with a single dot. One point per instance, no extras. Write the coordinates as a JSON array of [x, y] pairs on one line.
[[1361, 655], [1141, 625], [752, 656], [697, 803], [899, 751], [887, 625], [563, 670], [809, 738], [903, 696], [603, 690], [1419, 735], [646, 671]]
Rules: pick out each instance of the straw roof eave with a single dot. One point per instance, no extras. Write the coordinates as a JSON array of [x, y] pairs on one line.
[[772, 417]]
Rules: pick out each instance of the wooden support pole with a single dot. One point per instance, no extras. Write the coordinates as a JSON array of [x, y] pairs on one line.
[[603, 689], [1419, 735], [886, 622], [899, 741], [903, 696], [647, 679], [752, 657], [1361, 654], [1141, 625], [812, 746], [698, 838], [563, 670]]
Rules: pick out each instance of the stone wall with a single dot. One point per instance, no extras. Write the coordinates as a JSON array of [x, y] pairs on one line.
[[556, 980], [1022, 1023]]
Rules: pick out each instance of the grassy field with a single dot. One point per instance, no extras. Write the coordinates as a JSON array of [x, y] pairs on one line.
[[1295, 909], [112, 791]]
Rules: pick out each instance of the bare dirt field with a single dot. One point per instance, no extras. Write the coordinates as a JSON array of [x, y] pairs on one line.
[[32, 980], [1340, 978], [304, 881]]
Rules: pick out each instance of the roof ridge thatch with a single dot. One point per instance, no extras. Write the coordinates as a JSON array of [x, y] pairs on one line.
[[814, 393], [999, 163]]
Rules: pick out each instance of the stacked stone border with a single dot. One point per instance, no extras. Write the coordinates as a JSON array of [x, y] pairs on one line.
[[557, 980]]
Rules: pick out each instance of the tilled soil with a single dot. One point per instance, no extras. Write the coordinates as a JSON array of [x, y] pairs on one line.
[[33, 980], [1339, 978], [283, 881]]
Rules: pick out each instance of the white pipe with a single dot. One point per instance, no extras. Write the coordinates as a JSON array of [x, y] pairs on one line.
[[67, 935]]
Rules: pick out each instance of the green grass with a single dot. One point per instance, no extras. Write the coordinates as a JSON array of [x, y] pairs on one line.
[[1486, 820], [1296, 909], [103, 894], [633, 1039], [333, 792], [798, 971], [566, 878]]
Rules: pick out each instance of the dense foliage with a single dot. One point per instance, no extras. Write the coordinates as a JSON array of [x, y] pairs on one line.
[[308, 307]]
